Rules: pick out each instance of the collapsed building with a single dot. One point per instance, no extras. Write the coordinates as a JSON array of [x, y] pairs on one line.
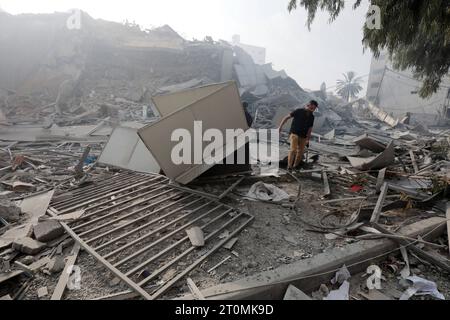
[[87, 180]]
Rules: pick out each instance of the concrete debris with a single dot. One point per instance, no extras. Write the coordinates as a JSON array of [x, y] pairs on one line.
[[86, 138], [195, 235], [47, 230], [28, 246], [42, 292], [9, 211], [293, 293]]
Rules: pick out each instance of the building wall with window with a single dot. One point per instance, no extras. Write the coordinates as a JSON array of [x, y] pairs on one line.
[[396, 92]]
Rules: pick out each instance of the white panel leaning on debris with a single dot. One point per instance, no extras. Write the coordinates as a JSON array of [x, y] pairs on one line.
[[215, 107], [125, 150]]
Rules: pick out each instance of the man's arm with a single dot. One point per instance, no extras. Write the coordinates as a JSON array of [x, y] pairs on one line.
[[283, 122], [308, 136]]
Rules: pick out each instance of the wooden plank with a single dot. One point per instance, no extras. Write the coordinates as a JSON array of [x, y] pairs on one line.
[[196, 293], [377, 210], [226, 192], [448, 224], [380, 179], [436, 260], [326, 185], [64, 278], [219, 264], [413, 160]]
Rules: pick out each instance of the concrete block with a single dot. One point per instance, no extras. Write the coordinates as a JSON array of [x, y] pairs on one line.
[[56, 264], [48, 230], [28, 246], [9, 211]]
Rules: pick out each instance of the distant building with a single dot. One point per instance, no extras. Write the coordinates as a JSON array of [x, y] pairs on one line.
[[396, 92], [258, 54]]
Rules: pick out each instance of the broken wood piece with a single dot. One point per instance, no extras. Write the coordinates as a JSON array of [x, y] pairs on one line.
[[448, 223], [377, 210], [69, 216], [226, 192], [24, 268], [219, 264], [421, 253], [196, 293], [64, 278], [395, 236], [380, 179], [230, 243], [326, 185], [7, 297], [413, 160], [79, 166], [196, 237]]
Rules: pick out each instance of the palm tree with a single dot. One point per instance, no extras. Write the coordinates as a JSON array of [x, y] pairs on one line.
[[349, 87]]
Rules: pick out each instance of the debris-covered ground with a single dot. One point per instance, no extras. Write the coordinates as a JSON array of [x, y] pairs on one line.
[[87, 211]]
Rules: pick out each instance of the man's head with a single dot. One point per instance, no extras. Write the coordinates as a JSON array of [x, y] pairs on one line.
[[245, 105], [312, 105]]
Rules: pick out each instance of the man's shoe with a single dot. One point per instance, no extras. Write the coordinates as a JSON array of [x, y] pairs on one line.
[[299, 166]]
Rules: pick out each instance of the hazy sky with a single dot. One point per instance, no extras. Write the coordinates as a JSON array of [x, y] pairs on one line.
[[309, 57]]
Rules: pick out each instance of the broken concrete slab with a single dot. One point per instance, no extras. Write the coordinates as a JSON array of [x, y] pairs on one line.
[[47, 230], [381, 161], [56, 264], [36, 206], [13, 234], [369, 142], [9, 210], [293, 293], [28, 245]]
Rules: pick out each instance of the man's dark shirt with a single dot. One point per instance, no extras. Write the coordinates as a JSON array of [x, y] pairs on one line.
[[302, 121], [249, 118]]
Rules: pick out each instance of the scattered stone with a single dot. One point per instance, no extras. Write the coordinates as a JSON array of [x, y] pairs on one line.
[[114, 282], [27, 260], [56, 264], [48, 230], [9, 211], [324, 290], [195, 234], [291, 240], [251, 265], [42, 292], [28, 246]]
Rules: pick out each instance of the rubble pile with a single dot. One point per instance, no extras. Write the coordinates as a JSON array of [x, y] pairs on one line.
[[86, 178]]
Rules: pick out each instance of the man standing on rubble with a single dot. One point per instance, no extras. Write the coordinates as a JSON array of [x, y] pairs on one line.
[[300, 133]]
